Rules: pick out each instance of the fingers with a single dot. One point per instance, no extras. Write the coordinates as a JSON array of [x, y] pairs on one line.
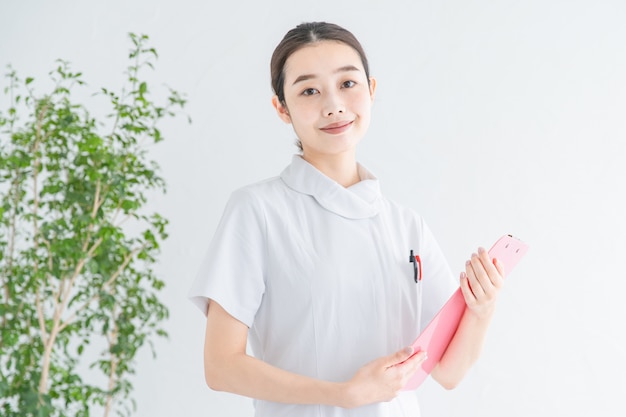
[[403, 370], [481, 282], [415, 361], [407, 367], [383, 378], [499, 266], [398, 357], [468, 294], [485, 278], [405, 356]]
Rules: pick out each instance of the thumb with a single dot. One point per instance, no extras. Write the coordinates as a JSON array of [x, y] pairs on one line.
[[499, 266], [400, 356]]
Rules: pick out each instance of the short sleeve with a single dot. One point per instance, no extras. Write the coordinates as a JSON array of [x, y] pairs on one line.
[[232, 272]]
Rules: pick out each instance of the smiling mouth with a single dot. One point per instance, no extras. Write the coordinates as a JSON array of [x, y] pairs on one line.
[[339, 127]]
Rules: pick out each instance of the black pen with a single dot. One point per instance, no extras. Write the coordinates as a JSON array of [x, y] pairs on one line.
[[417, 266]]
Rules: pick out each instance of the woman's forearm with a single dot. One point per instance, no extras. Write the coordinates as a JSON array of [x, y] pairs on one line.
[[227, 367], [245, 375], [463, 350]]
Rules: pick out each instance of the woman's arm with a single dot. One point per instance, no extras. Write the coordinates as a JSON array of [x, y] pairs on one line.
[[228, 368], [480, 284]]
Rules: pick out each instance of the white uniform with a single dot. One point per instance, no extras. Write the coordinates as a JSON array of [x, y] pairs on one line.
[[321, 276]]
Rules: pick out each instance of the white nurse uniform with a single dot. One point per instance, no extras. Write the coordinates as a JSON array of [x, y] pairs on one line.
[[321, 276]]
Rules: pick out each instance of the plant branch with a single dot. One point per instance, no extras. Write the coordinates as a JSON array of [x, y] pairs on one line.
[[64, 292], [36, 162], [40, 317], [77, 271], [56, 320], [39, 306], [105, 286], [96, 200], [112, 380]]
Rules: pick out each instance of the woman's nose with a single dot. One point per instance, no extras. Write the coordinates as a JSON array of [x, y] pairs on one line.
[[333, 105]]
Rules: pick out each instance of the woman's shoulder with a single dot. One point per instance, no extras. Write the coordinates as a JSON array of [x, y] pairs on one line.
[[260, 192]]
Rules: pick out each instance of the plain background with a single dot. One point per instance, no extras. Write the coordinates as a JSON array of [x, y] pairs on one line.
[[491, 117]]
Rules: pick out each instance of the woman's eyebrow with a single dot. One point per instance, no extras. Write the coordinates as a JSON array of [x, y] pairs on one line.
[[305, 77]]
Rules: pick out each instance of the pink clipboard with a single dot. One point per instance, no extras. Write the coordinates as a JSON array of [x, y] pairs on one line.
[[437, 335]]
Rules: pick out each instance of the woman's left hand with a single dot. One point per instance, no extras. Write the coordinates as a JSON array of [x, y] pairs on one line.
[[481, 282]]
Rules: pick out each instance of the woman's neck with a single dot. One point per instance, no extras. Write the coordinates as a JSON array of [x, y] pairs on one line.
[[340, 168]]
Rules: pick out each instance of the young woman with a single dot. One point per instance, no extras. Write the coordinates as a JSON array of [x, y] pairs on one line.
[[311, 267]]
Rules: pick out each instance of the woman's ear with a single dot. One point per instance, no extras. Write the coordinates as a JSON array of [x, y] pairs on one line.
[[281, 110], [372, 88]]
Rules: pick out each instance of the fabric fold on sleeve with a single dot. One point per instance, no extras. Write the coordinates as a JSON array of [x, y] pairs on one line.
[[233, 270]]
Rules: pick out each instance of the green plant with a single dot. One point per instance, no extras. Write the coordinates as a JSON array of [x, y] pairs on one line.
[[76, 248]]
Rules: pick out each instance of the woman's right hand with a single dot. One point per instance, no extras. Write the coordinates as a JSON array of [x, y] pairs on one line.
[[383, 378]]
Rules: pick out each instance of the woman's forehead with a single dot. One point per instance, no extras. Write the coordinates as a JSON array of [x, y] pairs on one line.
[[321, 58]]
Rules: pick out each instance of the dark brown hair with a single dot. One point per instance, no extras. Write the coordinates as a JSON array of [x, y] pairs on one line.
[[305, 34]]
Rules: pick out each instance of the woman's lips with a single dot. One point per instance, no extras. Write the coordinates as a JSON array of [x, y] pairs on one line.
[[337, 128]]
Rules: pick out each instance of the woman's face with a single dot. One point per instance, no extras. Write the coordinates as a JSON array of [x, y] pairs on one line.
[[328, 98]]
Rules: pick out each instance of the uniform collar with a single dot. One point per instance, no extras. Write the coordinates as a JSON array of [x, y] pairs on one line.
[[359, 201]]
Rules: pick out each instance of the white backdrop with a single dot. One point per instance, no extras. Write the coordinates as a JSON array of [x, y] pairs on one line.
[[491, 117]]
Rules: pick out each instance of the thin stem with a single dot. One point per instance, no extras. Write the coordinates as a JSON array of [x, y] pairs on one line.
[[48, 341], [96, 200], [105, 286], [112, 372], [40, 318], [38, 305]]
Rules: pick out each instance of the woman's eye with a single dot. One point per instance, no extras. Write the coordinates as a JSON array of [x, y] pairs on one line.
[[348, 84], [309, 92]]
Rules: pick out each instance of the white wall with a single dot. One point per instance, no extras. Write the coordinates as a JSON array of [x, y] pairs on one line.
[[491, 117]]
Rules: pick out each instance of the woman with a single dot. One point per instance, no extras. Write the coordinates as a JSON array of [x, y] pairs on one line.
[[311, 267]]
